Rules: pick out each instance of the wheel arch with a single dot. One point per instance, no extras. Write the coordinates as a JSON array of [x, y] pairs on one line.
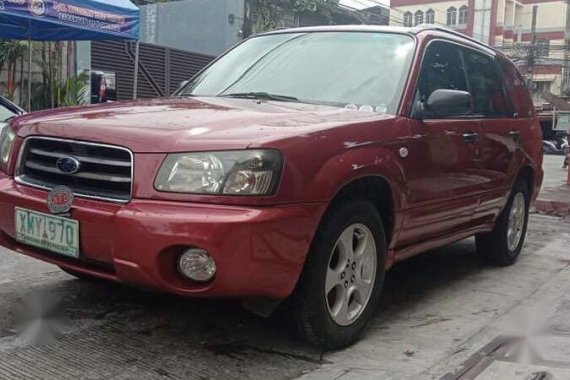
[[527, 174], [377, 190]]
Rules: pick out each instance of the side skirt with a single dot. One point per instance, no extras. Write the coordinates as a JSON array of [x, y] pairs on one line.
[[402, 253]]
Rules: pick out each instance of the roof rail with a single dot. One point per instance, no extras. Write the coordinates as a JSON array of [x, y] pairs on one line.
[[423, 27]]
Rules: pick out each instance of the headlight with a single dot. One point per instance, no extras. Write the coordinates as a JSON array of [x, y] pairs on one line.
[[244, 172], [7, 138]]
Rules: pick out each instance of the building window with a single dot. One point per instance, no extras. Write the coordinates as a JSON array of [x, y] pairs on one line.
[[419, 18], [451, 16], [408, 19], [542, 48], [463, 14], [541, 87], [430, 16]]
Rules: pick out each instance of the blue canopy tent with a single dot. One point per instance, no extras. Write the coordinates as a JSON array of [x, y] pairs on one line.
[[51, 20]]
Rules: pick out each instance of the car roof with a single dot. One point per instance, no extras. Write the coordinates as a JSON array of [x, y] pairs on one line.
[[423, 28], [343, 28]]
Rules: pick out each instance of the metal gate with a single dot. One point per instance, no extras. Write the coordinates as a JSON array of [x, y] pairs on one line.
[[160, 69]]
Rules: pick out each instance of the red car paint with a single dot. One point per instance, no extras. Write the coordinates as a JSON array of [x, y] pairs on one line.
[[442, 191]]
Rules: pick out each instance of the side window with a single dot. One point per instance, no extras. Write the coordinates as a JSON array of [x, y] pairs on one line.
[[442, 68], [520, 99], [485, 84]]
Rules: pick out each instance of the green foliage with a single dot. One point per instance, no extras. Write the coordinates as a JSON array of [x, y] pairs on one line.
[[76, 91], [40, 96], [12, 53], [312, 5], [270, 12], [52, 90]]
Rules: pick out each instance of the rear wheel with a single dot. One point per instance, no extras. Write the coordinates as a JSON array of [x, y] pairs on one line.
[[503, 245], [340, 286]]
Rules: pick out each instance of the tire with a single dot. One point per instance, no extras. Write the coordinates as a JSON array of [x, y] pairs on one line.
[[318, 315], [495, 247]]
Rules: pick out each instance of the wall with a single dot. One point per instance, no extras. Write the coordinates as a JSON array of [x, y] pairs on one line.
[[201, 26], [160, 72]]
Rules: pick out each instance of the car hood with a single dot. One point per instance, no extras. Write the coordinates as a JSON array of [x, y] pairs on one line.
[[188, 124]]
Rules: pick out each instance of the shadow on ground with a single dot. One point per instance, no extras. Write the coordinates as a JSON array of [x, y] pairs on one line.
[[117, 331]]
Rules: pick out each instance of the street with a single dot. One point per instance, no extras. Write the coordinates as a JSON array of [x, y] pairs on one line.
[[438, 310], [554, 175]]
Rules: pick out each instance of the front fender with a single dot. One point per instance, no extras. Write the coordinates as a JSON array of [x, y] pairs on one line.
[[359, 162]]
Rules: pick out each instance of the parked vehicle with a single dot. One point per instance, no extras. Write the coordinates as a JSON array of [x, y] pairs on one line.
[[301, 164], [564, 145], [103, 87], [549, 147], [7, 111], [558, 146]]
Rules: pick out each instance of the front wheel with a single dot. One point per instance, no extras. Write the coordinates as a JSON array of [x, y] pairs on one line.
[[340, 286], [503, 245]]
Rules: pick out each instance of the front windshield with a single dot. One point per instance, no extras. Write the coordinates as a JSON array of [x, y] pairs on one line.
[[363, 70]]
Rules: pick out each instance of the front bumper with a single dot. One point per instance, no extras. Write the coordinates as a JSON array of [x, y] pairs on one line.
[[259, 252]]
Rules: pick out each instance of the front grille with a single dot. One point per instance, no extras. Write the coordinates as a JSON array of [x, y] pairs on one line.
[[105, 172]]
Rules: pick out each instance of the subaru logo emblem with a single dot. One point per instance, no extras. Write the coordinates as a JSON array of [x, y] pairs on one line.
[[68, 165]]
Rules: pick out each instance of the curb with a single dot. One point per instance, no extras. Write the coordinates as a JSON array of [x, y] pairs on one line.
[[554, 208]]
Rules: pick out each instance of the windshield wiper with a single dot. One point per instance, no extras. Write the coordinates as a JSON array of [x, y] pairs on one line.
[[261, 96]]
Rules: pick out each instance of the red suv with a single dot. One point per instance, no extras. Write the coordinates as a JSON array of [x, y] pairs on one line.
[[302, 164]]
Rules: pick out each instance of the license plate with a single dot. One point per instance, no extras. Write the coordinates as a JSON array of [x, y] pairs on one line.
[[50, 232]]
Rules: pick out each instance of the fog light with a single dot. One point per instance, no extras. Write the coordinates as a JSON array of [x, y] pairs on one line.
[[197, 265]]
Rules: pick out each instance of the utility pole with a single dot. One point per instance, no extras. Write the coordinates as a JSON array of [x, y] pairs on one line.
[[532, 49], [566, 72], [247, 19]]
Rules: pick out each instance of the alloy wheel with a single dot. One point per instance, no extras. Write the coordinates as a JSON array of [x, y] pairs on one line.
[[517, 216], [351, 274]]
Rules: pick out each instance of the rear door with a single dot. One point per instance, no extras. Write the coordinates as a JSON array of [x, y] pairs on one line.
[[442, 166], [500, 131]]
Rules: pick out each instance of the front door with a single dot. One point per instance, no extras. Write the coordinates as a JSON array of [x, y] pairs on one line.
[[444, 154]]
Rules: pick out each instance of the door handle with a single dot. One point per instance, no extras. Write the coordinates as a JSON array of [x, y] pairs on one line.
[[515, 135], [470, 137]]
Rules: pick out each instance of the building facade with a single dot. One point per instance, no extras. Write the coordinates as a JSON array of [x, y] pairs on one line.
[[211, 27], [507, 25]]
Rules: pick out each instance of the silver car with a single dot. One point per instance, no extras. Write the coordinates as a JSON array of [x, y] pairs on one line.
[[7, 111]]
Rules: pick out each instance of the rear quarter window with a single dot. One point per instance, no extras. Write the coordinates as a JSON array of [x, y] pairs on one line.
[[518, 94]]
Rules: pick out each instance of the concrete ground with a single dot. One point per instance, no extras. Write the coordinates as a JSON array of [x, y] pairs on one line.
[[554, 197], [554, 174], [443, 315]]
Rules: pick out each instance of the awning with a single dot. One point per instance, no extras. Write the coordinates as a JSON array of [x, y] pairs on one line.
[[61, 20], [50, 20]]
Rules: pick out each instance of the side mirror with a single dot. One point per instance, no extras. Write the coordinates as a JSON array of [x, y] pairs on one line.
[[446, 103], [181, 86]]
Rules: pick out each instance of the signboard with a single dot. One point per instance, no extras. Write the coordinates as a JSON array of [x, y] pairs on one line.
[[83, 15]]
